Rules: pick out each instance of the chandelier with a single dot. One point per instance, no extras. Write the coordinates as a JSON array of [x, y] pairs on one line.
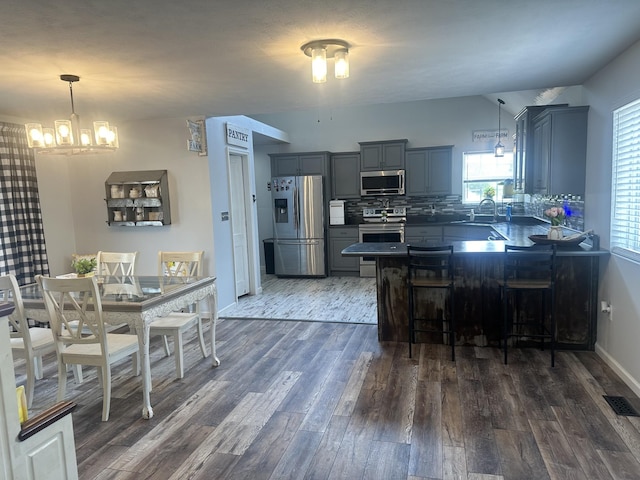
[[318, 51], [68, 138]]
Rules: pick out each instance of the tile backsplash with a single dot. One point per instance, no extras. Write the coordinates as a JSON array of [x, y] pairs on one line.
[[533, 205]]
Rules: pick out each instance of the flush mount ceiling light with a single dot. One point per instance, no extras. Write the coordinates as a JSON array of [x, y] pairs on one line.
[[68, 138], [319, 50], [499, 148]]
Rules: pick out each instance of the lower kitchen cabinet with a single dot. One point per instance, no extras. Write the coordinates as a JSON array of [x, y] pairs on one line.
[[422, 234], [339, 239], [428, 170]]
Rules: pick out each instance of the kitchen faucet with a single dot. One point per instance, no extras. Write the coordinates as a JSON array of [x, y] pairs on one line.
[[491, 202]]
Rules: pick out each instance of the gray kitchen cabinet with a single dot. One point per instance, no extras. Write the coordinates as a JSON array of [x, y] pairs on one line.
[[428, 234], [386, 155], [523, 161], [339, 239], [560, 151], [428, 170], [138, 199], [345, 175], [297, 164]]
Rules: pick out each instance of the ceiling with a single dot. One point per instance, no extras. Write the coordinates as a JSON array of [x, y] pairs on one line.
[[157, 58]]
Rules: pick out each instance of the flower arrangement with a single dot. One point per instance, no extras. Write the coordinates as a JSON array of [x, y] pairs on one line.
[[556, 215]]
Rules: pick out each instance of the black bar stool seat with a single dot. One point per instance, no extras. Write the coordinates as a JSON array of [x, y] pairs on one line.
[[529, 271], [431, 268]]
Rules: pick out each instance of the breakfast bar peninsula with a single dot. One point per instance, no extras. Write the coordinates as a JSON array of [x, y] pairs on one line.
[[477, 269]]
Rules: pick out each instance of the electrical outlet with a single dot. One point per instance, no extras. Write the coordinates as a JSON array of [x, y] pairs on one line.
[[605, 307]]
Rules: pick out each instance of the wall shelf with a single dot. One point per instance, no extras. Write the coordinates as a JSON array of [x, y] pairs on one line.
[[138, 199]]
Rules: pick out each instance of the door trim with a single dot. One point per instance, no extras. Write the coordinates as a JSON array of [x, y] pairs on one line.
[[251, 214]]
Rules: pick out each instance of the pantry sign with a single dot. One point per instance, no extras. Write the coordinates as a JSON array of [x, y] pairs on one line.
[[237, 135]]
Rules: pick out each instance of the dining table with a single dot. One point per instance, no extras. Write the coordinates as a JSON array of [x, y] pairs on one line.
[[137, 301]]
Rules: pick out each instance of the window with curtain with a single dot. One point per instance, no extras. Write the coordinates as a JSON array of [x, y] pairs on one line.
[[22, 246], [625, 188]]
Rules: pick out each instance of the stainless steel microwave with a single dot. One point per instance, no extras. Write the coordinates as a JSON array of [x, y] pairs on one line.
[[382, 182]]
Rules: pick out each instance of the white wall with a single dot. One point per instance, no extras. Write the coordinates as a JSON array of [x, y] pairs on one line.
[[77, 185], [612, 87]]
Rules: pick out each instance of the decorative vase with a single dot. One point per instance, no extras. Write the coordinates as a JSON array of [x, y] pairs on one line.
[[555, 233]]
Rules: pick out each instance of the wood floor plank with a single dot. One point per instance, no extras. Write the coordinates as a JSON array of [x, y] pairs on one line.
[[349, 397], [426, 440], [480, 444], [263, 455], [296, 459], [556, 451], [519, 455], [622, 465], [325, 455], [399, 401], [384, 459], [455, 463], [506, 409], [452, 425], [573, 424]]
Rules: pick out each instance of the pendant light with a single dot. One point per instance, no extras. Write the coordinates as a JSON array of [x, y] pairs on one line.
[[68, 138], [499, 148], [320, 50]]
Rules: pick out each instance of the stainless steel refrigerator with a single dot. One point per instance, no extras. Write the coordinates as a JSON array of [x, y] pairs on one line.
[[298, 226]]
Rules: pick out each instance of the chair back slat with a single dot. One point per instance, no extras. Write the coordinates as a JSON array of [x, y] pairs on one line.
[[529, 263], [75, 310], [10, 292], [116, 263], [180, 264], [434, 261]]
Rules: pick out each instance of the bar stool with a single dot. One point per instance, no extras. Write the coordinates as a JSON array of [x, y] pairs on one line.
[[529, 270], [431, 268]]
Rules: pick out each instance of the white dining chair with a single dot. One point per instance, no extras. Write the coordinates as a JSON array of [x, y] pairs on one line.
[[116, 263], [71, 299], [178, 264], [30, 344]]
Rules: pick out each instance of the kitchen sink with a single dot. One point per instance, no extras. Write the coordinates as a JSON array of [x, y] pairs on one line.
[[470, 231]]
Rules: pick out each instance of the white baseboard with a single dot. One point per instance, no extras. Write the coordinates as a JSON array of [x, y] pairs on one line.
[[631, 382]]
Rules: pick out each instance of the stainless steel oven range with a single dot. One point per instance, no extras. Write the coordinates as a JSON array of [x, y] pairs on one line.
[[381, 225]]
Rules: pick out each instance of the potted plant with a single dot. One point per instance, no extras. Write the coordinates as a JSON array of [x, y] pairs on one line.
[[489, 192], [84, 266]]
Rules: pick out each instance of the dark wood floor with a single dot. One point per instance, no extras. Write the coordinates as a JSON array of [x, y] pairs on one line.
[[310, 400]]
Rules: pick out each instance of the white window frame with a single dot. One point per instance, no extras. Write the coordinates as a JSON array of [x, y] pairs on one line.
[[625, 182], [495, 181]]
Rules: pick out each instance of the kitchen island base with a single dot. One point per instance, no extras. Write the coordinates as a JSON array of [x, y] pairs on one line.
[[478, 303]]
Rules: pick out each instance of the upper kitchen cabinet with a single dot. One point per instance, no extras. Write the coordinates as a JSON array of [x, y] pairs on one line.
[[559, 152], [428, 170], [345, 175], [299, 164], [524, 142], [387, 155], [138, 198]]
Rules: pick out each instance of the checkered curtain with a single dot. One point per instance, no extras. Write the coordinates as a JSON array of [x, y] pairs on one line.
[[22, 248]]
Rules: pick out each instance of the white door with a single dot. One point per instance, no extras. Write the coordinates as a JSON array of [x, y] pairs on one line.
[[237, 177]]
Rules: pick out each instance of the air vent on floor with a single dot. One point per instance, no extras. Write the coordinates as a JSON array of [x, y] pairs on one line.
[[621, 406]]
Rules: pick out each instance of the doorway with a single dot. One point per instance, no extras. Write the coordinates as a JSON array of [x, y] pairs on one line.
[[240, 211]]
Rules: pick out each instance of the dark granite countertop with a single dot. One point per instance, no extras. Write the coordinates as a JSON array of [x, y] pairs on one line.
[[390, 249], [516, 233]]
